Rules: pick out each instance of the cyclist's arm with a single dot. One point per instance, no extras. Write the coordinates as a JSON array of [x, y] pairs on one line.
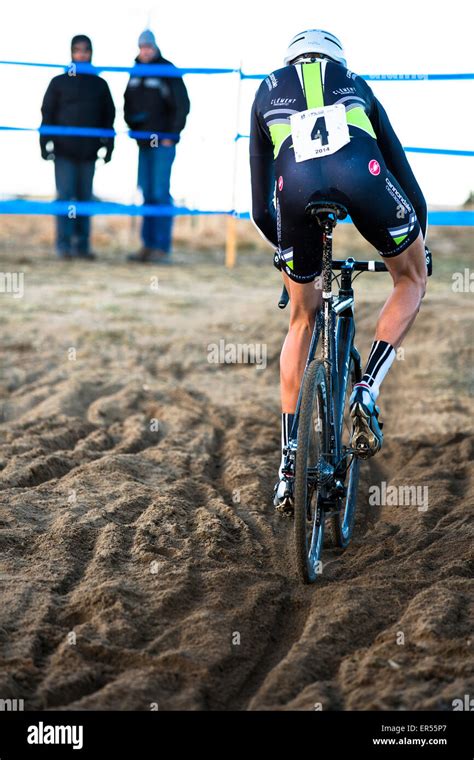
[[263, 180], [396, 160]]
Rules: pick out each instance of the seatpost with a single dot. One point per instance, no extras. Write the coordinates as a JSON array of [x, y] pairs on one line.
[[328, 227], [327, 258]]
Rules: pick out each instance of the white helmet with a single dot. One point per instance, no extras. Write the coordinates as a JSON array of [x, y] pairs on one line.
[[315, 41]]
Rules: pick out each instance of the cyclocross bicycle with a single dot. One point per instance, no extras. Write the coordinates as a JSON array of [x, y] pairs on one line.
[[320, 464]]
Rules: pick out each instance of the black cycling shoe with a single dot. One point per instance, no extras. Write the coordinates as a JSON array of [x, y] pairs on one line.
[[367, 436], [283, 497]]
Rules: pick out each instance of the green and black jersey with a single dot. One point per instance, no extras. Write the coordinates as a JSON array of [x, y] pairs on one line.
[[303, 86]]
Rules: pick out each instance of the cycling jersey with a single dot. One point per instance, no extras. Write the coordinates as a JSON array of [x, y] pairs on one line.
[[369, 174]]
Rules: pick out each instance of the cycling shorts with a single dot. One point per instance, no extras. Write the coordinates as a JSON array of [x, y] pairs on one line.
[[355, 176]]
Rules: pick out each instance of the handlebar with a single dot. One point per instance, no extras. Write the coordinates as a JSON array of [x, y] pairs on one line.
[[357, 266]]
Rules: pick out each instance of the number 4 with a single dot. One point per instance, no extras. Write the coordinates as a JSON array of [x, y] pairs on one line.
[[319, 131]]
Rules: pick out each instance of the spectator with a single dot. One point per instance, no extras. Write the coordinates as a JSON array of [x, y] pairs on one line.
[[155, 104], [76, 100]]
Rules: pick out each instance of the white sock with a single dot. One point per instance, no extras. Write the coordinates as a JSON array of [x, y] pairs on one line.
[[379, 362], [286, 425]]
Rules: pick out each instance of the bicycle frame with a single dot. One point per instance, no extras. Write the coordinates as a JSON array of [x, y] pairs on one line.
[[335, 325]]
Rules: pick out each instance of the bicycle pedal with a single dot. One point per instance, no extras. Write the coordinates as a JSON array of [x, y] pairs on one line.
[[286, 508], [363, 450]]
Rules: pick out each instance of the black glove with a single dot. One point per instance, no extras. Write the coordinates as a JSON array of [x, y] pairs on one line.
[[48, 155]]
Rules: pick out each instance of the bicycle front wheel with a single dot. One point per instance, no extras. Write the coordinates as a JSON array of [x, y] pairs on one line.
[[311, 471]]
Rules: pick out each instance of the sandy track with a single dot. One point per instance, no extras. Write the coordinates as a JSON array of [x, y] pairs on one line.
[[135, 557]]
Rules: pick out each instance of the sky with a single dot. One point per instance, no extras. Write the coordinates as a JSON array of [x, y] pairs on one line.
[[211, 170]]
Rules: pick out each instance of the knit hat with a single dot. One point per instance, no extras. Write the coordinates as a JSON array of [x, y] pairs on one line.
[[81, 38], [147, 38]]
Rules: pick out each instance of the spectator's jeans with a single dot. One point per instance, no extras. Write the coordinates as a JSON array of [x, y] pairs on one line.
[[73, 182], [154, 173]]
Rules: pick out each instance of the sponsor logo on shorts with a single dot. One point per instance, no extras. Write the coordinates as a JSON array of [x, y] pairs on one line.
[[278, 216], [280, 183], [374, 167], [390, 187]]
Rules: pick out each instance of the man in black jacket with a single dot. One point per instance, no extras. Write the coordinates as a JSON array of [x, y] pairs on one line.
[[155, 104], [76, 100]]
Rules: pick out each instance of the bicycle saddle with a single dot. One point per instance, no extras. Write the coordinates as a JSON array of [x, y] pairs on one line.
[[326, 211]]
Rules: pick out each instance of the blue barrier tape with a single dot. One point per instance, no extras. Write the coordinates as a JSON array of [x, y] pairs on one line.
[[102, 208], [389, 77], [52, 129], [98, 132], [142, 69], [435, 218], [416, 77], [148, 69], [105, 208], [440, 151]]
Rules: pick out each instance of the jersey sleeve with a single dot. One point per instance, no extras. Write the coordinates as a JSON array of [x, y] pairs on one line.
[[395, 158], [262, 178]]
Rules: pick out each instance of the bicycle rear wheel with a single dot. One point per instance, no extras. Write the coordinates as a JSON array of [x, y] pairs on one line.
[[311, 471], [342, 523]]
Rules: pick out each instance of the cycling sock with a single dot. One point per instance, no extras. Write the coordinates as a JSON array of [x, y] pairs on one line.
[[286, 425], [379, 362]]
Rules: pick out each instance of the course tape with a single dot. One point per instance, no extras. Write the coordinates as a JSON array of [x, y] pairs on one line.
[[435, 218], [91, 208], [440, 151], [99, 132], [141, 69], [106, 208], [53, 129], [167, 70], [389, 77]]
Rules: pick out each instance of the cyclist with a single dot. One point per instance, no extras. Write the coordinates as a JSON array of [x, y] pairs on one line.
[[319, 133]]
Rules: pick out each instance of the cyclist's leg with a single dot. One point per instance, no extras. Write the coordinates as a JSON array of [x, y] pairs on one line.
[[383, 214], [385, 217], [408, 271], [305, 299], [300, 252]]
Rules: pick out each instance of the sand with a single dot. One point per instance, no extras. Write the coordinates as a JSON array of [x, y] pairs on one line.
[[141, 562]]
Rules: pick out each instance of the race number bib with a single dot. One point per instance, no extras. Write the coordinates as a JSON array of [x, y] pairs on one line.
[[319, 132]]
